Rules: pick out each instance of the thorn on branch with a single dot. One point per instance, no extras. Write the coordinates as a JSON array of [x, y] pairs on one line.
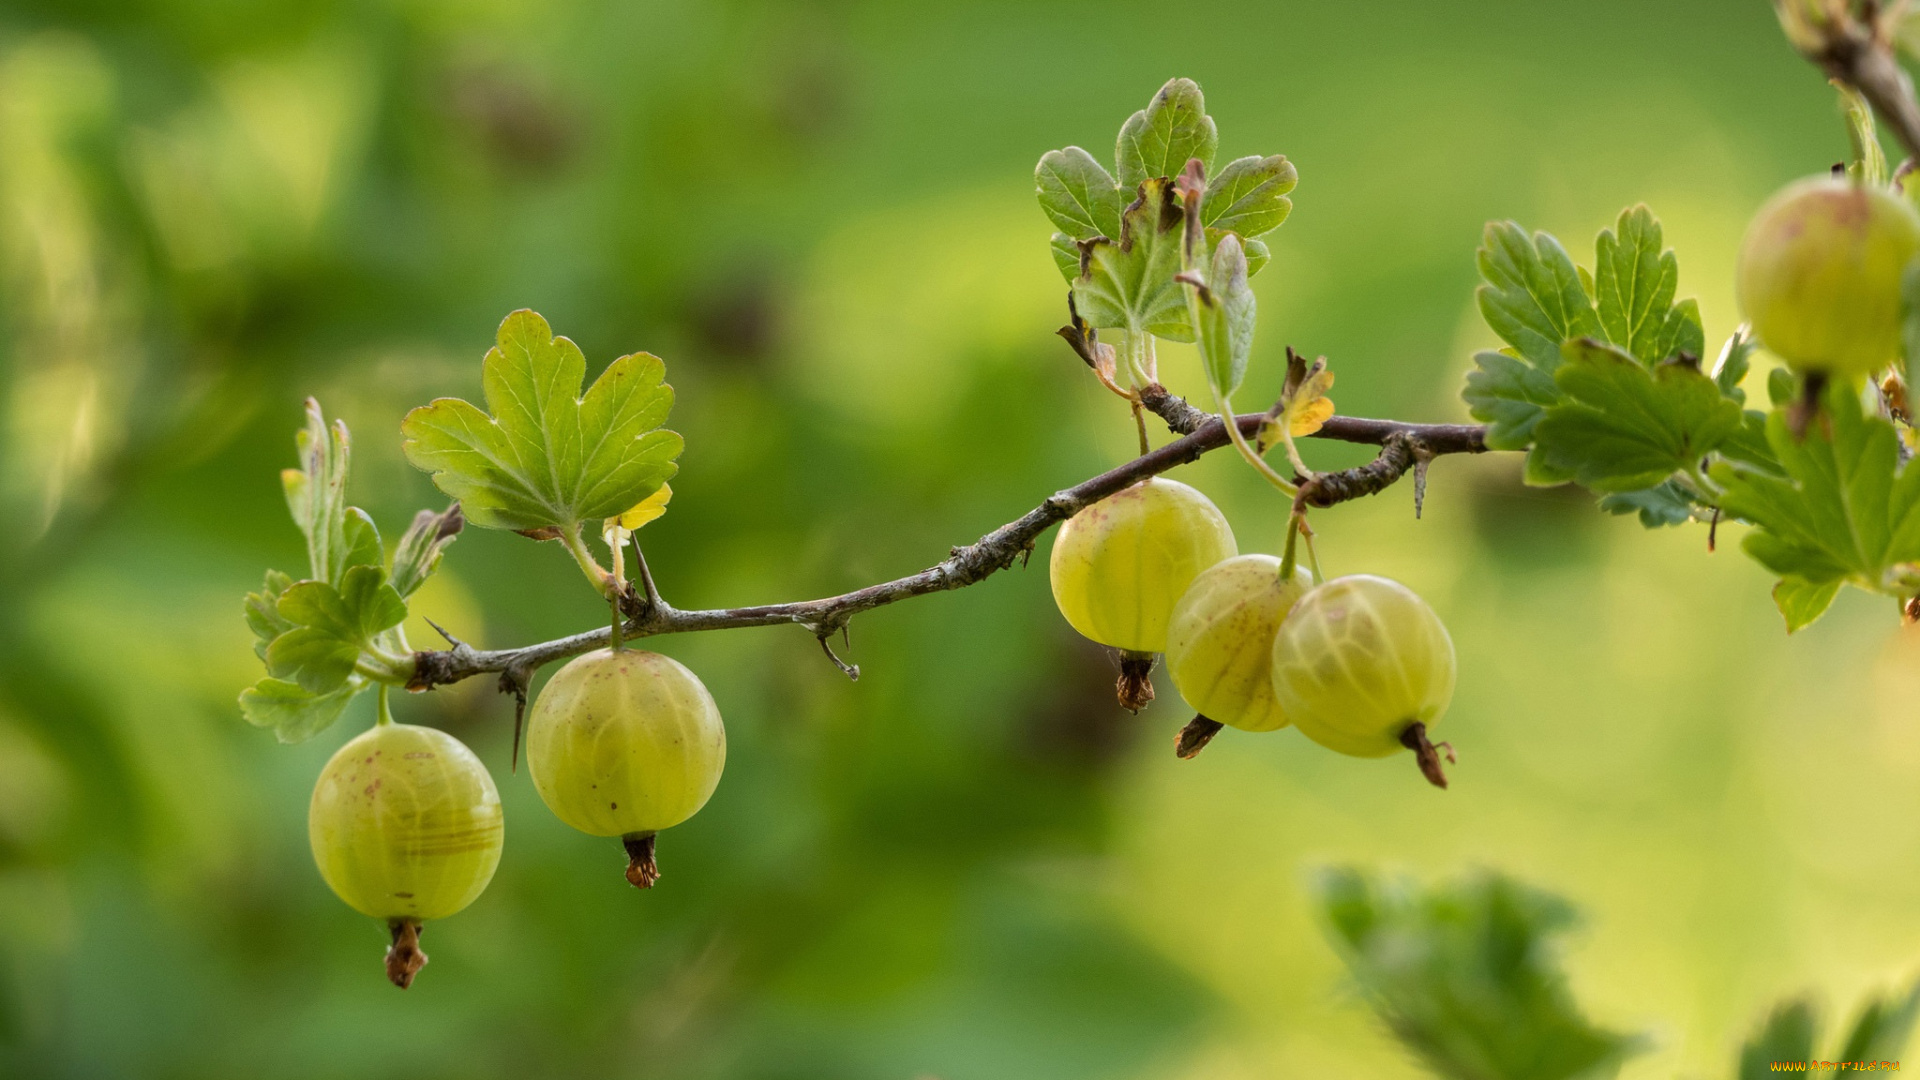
[[515, 681], [1422, 457], [823, 633]]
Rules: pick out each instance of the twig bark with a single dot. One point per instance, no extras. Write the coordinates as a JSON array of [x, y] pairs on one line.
[[996, 551], [1857, 49]]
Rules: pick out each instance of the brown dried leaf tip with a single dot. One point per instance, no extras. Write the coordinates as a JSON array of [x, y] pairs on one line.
[[1414, 738], [1195, 736], [642, 871], [1135, 688], [404, 956]]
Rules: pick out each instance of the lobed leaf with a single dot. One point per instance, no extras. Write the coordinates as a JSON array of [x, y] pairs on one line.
[[1466, 978], [1249, 197], [1078, 194], [1510, 396], [1844, 510], [1633, 287], [1621, 427], [548, 457], [1224, 312], [1159, 140], [1533, 297], [1787, 1035], [263, 612], [331, 627], [1128, 283], [295, 714], [338, 536], [1658, 506], [1802, 602]]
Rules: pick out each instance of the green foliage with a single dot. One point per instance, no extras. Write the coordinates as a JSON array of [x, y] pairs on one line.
[[1844, 511], [547, 458], [313, 635], [1663, 504], [1249, 196], [1621, 427], [1128, 284], [1537, 300], [1224, 312], [1159, 140], [1634, 283], [338, 536], [1119, 243], [1466, 977], [1790, 1033], [332, 626]]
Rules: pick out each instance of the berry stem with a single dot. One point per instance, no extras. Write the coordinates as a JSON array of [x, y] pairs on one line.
[[642, 870], [404, 956], [385, 715], [1414, 738], [596, 574], [1195, 736]]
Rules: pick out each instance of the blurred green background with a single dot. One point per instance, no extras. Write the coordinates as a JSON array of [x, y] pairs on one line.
[[968, 864]]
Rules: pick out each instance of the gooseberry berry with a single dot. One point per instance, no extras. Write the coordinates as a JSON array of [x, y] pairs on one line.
[[626, 743], [1363, 666], [406, 826], [1819, 274], [1220, 640], [1119, 565]]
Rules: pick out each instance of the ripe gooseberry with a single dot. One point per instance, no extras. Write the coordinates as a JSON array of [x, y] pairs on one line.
[[406, 826], [1819, 275], [1220, 645], [626, 743], [1363, 666], [1119, 565]]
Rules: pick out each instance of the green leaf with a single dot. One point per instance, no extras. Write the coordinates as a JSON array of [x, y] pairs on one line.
[[1634, 287], [1510, 396], [1533, 297], [1869, 160], [1736, 359], [263, 612], [338, 536], [1249, 196], [1224, 312], [1128, 283], [294, 714], [1078, 195], [1801, 602], [332, 627], [546, 458], [1622, 427], [1466, 977], [1157, 141], [1782, 387], [1787, 1035], [1066, 256], [418, 554], [1749, 444], [1658, 506], [1257, 253], [1884, 1028], [1845, 510]]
